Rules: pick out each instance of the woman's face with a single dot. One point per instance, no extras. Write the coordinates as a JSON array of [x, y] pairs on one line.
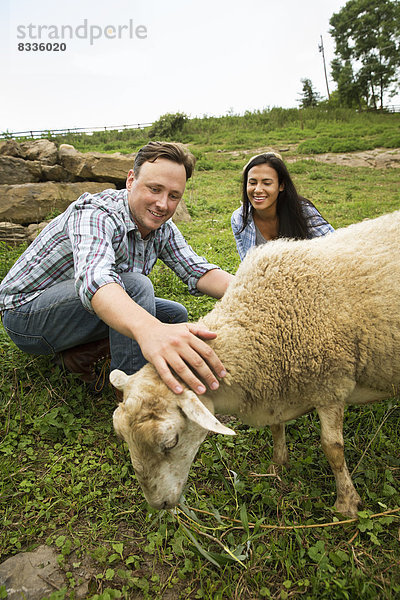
[[263, 187]]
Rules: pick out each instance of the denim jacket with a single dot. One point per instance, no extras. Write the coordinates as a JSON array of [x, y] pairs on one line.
[[246, 239]]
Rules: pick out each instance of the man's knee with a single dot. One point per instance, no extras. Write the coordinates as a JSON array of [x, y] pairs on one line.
[[168, 311], [140, 289], [181, 314]]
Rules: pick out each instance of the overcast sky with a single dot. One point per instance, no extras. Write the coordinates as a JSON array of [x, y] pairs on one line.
[[148, 58]]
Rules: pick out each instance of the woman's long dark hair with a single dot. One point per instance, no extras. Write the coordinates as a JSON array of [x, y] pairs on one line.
[[292, 223]]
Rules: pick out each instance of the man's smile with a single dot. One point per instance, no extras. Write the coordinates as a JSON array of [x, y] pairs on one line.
[[156, 214]]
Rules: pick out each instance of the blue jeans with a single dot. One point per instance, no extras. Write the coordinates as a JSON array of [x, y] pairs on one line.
[[56, 320]]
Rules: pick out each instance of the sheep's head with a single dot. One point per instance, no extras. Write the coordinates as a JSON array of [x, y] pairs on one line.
[[163, 431]]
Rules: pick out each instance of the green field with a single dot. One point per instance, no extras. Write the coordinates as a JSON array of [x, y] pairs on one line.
[[67, 481]]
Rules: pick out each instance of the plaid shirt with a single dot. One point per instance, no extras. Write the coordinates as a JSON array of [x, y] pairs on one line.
[[93, 242], [246, 239]]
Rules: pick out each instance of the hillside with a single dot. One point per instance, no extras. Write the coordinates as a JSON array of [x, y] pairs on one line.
[[298, 131]]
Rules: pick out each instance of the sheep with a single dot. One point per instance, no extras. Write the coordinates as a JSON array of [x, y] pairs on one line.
[[306, 325]]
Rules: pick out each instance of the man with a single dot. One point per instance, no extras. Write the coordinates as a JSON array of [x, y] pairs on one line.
[[82, 287]]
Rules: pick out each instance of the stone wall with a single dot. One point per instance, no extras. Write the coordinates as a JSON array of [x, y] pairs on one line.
[[38, 180]]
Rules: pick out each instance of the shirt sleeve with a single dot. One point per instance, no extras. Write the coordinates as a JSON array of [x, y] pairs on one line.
[[317, 225], [238, 238], [92, 231], [183, 260]]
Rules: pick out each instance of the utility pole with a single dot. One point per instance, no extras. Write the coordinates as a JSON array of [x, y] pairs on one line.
[[321, 49]]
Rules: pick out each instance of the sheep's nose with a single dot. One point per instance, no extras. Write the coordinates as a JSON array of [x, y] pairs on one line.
[[167, 504], [162, 504]]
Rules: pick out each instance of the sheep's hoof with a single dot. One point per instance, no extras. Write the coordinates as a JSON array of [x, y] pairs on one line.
[[349, 506]]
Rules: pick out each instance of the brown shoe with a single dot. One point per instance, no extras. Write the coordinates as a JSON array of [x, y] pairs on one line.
[[82, 359]]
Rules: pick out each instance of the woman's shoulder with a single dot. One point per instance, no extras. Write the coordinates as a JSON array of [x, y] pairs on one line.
[[307, 207], [237, 213], [237, 217], [316, 223]]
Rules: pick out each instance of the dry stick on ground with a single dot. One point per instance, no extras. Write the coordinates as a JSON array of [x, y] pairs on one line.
[[280, 527], [190, 523], [291, 527], [353, 537]]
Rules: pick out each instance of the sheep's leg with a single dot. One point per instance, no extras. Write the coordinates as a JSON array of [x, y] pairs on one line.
[[348, 501], [280, 454]]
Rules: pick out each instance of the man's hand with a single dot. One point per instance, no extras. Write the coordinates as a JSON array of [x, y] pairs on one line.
[[179, 347]]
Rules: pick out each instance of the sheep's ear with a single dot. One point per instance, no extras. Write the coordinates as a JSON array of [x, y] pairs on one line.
[[119, 379], [195, 410]]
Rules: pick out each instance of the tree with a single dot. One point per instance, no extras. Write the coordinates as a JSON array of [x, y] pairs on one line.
[[367, 37], [309, 96], [349, 91]]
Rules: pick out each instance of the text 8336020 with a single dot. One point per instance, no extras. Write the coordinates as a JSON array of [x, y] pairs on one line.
[[42, 47]]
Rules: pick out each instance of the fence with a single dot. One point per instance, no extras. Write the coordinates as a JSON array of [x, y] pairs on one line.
[[34, 134]]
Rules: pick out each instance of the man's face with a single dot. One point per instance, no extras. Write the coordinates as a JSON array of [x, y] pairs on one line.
[[154, 195]]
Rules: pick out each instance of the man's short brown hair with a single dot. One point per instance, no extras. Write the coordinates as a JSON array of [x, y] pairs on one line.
[[169, 150]]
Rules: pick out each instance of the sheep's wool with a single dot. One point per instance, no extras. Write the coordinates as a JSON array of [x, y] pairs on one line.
[[313, 315]]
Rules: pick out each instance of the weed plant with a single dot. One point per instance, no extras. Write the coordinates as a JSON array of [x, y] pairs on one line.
[[240, 533]]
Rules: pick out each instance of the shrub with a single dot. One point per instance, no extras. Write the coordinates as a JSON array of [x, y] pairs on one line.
[[317, 146], [204, 165], [350, 145], [389, 140], [168, 126]]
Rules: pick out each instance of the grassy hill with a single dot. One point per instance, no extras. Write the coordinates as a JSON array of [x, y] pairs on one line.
[[312, 130], [68, 482]]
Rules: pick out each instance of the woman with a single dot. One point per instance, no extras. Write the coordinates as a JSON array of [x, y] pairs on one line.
[[271, 206]]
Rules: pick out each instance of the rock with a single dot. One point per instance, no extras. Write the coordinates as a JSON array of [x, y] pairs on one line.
[[73, 161], [95, 165], [42, 150], [31, 575], [10, 148], [56, 173], [113, 167], [33, 230], [33, 202], [16, 170], [12, 234], [380, 158], [181, 214], [389, 158]]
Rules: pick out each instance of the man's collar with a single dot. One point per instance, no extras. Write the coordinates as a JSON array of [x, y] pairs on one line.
[[129, 222]]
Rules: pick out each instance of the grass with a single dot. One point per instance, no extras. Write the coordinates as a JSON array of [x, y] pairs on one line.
[[240, 534]]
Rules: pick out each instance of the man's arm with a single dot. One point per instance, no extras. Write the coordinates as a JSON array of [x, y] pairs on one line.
[[166, 346], [214, 283]]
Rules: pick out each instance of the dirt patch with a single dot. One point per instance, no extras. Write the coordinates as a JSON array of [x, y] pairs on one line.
[[379, 158]]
